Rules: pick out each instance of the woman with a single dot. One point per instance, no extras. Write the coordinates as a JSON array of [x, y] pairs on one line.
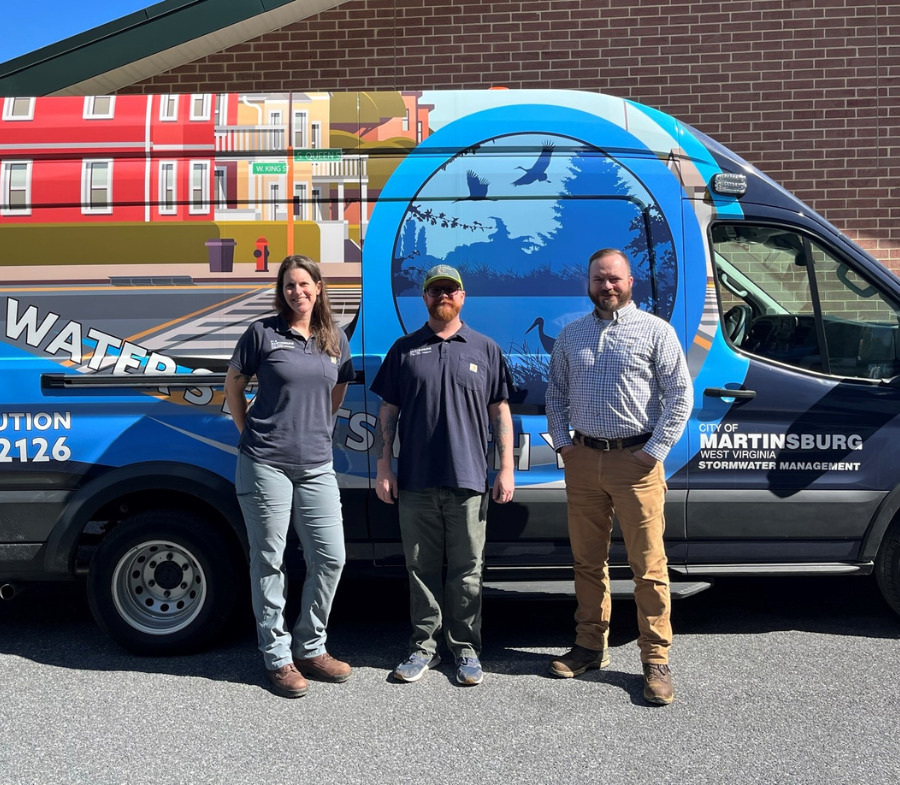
[[301, 361]]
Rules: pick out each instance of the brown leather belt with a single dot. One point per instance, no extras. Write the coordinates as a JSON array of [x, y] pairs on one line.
[[611, 444]]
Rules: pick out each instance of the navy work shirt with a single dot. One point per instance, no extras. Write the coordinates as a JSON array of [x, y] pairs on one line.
[[289, 422], [443, 388]]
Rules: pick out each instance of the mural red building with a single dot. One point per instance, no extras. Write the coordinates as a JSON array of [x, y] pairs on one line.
[[107, 158]]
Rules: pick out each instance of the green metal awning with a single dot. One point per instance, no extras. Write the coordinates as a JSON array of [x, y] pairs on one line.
[[135, 47]]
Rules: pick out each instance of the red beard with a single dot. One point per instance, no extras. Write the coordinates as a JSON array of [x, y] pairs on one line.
[[445, 310]]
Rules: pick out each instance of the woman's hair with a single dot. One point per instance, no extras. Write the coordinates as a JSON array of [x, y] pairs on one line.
[[321, 322]]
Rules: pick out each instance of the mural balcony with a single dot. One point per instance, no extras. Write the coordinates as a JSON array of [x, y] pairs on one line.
[[250, 139], [323, 165], [348, 168]]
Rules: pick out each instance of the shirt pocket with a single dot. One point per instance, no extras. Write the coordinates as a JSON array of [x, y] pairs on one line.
[[630, 353], [330, 368], [470, 373]]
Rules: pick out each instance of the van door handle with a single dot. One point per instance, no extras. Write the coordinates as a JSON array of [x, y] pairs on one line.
[[724, 392]]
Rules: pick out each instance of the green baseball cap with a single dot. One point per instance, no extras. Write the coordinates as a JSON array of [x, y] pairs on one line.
[[442, 272]]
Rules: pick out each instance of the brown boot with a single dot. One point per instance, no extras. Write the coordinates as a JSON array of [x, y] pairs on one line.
[[287, 681], [658, 684], [577, 661], [324, 668]]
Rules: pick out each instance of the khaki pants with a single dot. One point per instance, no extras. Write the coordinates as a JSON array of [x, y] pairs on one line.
[[598, 485]]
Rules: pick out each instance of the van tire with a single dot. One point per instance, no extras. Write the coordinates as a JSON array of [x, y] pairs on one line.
[[163, 582], [887, 566]]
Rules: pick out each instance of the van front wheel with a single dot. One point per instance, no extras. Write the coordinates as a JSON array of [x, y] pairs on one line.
[[162, 582], [887, 566]]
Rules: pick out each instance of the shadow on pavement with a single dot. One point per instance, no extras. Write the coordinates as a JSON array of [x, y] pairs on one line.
[[51, 624]]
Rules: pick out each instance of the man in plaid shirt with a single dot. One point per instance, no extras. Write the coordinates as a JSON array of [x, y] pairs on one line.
[[618, 377]]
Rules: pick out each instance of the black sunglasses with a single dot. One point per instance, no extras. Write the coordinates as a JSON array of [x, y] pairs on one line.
[[437, 291]]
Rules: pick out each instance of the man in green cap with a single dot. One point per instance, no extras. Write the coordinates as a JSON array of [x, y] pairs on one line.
[[443, 386]]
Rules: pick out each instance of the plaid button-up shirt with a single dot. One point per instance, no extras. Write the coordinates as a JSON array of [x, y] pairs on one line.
[[618, 378]]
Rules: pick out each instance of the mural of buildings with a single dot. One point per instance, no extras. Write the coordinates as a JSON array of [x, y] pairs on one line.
[[231, 157]]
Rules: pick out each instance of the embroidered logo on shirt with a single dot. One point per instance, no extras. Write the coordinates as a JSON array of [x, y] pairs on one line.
[[473, 368], [420, 350], [273, 345]]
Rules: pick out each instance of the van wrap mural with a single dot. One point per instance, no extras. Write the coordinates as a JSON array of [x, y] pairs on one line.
[[153, 243], [147, 239]]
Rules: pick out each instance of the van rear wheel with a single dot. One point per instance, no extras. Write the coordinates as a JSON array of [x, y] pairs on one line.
[[162, 582], [887, 566]]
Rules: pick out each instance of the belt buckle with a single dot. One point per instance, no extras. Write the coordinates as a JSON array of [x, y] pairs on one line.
[[606, 444]]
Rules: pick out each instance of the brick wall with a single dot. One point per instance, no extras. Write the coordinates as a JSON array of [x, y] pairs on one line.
[[808, 90]]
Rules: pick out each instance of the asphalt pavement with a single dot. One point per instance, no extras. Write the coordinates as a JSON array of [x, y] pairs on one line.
[[777, 681]]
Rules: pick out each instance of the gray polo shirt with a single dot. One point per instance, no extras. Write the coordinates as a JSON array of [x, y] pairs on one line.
[[289, 422], [443, 388]]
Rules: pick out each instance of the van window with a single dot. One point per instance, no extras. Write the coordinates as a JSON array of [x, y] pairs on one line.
[[783, 297]]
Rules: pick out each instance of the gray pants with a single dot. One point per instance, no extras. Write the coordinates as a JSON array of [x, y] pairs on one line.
[[435, 522], [272, 501]]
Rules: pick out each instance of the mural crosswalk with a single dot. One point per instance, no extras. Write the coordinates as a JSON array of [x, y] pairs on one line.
[[212, 335]]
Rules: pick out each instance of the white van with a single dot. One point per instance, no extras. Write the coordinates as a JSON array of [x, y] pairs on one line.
[[137, 237]]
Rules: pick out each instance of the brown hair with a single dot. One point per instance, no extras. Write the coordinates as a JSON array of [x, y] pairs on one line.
[[608, 252], [321, 321]]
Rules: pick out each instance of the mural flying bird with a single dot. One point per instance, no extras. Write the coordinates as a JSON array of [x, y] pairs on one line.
[[478, 187], [538, 170]]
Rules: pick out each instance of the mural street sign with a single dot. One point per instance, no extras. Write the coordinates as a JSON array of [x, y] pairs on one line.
[[320, 154], [268, 167]]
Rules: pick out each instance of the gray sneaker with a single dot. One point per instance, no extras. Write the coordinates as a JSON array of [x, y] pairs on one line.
[[415, 667], [469, 671]]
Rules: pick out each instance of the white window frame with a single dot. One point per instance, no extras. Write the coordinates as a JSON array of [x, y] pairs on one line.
[[301, 190], [6, 188], [168, 108], [221, 113], [9, 107], [201, 205], [274, 199], [204, 100], [168, 187], [220, 187], [300, 130], [277, 134], [316, 205], [315, 137], [87, 188], [90, 108]]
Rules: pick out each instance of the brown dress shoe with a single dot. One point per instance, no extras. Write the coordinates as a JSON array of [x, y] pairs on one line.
[[577, 661], [287, 681], [324, 668], [658, 684]]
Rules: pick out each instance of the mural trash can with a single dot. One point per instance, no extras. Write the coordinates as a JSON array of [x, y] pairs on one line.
[[221, 255]]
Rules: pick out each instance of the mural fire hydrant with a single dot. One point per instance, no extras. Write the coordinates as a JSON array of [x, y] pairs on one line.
[[262, 255]]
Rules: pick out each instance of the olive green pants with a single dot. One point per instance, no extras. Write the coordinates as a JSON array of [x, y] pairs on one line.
[[439, 523]]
